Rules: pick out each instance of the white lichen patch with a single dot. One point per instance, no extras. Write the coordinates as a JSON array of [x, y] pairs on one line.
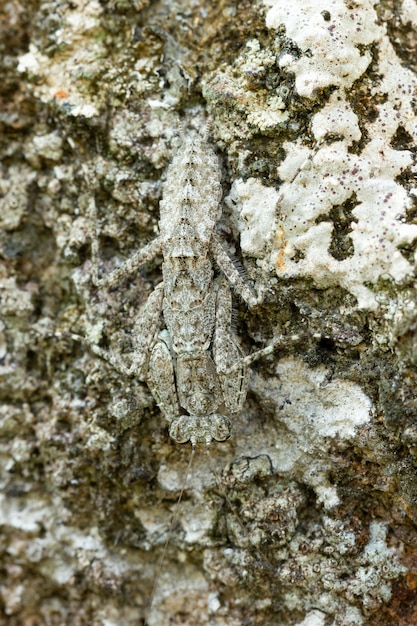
[[330, 37], [378, 225], [99, 440], [399, 315], [26, 516], [315, 414], [409, 12], [337, 118], [398, 86], [377, 566], [313, 618], [196, 521], [171, 477], [324, 409], [44, 536], [333, 35], [78, 55], [254, 209], [177, 592]]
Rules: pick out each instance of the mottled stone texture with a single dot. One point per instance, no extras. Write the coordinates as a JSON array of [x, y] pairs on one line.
[[307, 515]]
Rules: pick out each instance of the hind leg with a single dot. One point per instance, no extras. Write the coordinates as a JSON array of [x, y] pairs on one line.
[[228, 356], [161, 377]]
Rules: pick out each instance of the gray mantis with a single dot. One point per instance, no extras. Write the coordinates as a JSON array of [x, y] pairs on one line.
[[184, 347]]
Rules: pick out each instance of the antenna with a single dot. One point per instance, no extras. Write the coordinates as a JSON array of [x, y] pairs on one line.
[[162, 557]]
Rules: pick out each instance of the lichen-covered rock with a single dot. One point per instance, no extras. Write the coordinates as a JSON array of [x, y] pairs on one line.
[[307, 515]]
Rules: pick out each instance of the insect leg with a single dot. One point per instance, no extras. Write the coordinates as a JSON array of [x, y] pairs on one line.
[[223, 260], [161, 377], [279, 340], [228, 356], [142, 256], [147, 253]]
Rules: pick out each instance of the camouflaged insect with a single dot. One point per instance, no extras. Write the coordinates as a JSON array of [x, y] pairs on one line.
[[192, 362]]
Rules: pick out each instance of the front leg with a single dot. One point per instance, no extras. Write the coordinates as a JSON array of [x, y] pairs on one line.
[[142, 256], [229, 269]]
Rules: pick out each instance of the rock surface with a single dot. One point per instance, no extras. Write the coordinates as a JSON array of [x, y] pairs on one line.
[[307, 515]]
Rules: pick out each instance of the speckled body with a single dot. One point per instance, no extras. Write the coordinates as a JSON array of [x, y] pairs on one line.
[[189, 348]]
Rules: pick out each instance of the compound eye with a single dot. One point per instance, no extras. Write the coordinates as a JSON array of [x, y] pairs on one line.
[[179, 429], [221, 428]]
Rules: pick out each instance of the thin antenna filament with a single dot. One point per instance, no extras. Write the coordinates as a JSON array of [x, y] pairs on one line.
[[174, 518]]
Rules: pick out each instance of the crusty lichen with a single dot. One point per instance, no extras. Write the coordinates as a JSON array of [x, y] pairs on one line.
[[336, 172], [334, 33]]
